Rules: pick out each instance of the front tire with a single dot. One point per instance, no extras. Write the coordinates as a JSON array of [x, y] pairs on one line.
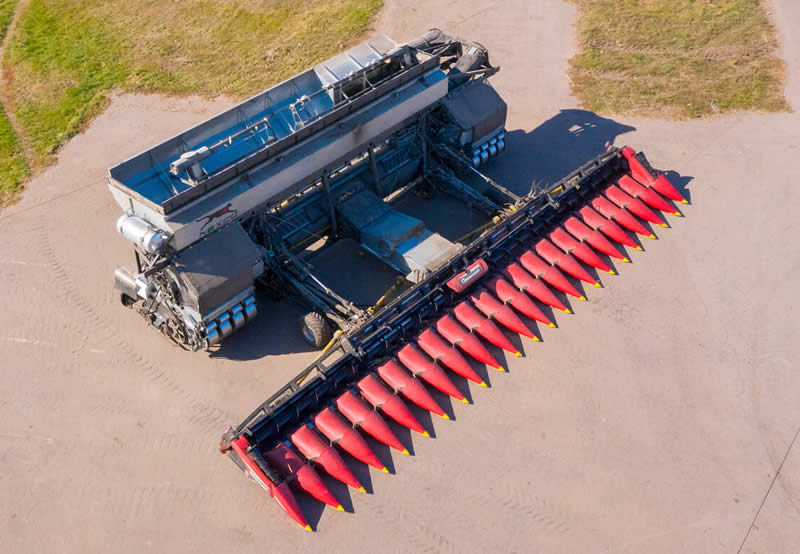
[[316, 330]]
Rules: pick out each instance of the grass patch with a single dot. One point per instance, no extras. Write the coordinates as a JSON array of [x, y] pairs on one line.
[[7, 8], [13, 168], [62, 61], [65, 55], [676, 58]]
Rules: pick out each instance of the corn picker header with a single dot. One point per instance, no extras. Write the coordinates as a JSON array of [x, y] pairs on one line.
[[234, 203]]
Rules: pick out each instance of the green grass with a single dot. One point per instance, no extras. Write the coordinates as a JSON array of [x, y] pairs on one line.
[[13, 167], [7, 8], [63, 62], [676, 58], [66, 55]]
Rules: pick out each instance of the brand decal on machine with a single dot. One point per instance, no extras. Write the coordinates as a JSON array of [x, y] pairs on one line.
[[469, 274], [463, 280], [218, 219]]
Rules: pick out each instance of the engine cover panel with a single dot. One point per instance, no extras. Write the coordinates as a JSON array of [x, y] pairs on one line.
[[217, 268]]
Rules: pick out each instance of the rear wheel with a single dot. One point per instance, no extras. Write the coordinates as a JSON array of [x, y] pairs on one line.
[[316, 330]]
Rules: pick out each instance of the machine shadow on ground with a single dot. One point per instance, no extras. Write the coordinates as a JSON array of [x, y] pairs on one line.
[[275, 331], [558, 146], [681, 183], [536, 158]]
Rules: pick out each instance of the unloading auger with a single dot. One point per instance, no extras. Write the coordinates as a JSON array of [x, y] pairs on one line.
[[235, 202]]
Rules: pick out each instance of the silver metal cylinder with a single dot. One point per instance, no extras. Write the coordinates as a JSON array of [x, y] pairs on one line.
[[212, 333], [125, 282], [493, 150], [484, 156], [225, 326], [140, 232], [250, 310], [237, 316]]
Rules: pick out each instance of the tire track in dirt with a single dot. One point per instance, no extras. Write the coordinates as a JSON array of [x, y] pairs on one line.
[[203, 414], [547, 516], [139, 496], [200, 503], [418, 536], [160, 442], [511, 501], [23, 274]]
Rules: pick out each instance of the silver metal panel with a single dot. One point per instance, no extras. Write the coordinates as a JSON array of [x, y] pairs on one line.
[[360, 56], [277, 178], [145, 176], [424, 251]]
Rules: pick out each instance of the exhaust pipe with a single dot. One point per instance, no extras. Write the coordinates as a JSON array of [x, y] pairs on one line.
[[125, 282]]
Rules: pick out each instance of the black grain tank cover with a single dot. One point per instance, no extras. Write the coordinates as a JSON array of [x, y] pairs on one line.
[[477, 107], [217, 268]]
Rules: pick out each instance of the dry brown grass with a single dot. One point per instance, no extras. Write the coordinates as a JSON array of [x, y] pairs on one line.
[[232, 47], [676, 58]]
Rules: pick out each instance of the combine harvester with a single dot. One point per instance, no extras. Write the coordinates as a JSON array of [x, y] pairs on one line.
[[236, 201]]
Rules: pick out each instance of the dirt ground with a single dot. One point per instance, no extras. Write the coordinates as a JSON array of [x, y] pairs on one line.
[[653, 420]]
